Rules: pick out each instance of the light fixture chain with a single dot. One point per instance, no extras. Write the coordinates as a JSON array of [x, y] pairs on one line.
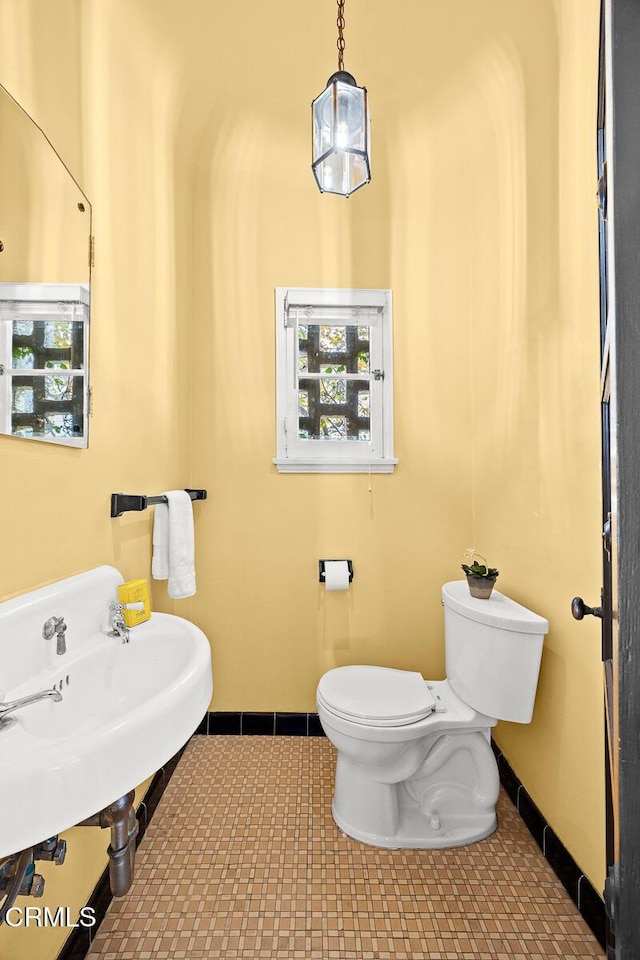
[[340, 43]]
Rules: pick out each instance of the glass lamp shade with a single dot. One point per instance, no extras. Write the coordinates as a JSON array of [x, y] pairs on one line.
[[341, 136]]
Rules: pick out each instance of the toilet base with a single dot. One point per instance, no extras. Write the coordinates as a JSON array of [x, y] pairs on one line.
[[415, 831], [436, 791]]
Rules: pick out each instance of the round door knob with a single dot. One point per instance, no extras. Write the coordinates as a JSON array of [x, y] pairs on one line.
[[579, 609]]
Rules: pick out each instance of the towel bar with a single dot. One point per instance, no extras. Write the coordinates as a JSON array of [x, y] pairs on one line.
[[124, 502]]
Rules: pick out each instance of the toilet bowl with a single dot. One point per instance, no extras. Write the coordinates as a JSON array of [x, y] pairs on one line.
[[415, 766]]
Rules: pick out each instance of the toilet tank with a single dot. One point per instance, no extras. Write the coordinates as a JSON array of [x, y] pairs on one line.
[[493, 652]]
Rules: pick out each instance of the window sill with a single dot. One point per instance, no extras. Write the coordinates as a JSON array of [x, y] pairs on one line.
[[342, 465]]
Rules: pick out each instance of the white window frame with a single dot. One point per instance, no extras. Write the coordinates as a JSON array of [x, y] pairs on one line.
[[296, 455], [34, 301]]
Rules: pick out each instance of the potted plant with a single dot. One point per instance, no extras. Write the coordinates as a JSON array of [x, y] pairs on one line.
[[480, 576]]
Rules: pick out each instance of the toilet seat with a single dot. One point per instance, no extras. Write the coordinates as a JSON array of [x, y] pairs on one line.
[[376, 696]]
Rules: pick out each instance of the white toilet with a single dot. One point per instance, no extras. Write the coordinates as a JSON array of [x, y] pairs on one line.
[[415, 766]]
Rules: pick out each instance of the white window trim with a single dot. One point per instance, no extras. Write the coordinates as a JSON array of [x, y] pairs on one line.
[[27, 300], [333, 456]]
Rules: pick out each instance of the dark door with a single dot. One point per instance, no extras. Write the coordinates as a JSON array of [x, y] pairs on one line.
[[619, 200], [609, 570]]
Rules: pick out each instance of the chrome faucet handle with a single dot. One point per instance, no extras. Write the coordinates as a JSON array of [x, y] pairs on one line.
[[53, 625], [57, 626], [116, 615], [114, 607], [118, 625]]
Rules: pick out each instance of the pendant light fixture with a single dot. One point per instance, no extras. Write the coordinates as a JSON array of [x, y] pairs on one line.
[[341, 134]]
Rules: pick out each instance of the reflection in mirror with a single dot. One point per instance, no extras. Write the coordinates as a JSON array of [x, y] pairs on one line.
[[45, 231], [43, 361]]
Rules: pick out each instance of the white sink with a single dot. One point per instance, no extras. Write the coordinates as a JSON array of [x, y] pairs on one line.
[[126, 710]]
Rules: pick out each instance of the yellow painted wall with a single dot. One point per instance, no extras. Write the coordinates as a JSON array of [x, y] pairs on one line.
[[89, 75], [260, 222], [36, 188], [188, 126], [481, 217], [536, 446]]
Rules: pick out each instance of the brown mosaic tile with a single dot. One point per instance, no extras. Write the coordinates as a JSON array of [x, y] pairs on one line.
[[242, 861]]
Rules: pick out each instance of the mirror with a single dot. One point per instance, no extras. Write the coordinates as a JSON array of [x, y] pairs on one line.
[[45, 252]]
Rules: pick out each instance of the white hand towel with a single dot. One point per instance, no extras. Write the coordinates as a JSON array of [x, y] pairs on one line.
[[173, 545], [160, 559]]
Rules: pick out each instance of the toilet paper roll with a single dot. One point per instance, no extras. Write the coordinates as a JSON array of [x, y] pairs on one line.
[[336, 575]]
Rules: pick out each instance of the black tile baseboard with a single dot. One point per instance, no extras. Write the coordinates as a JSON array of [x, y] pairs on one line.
[[291, 724], [581, 891], [315, 727], [250, 723], [224, 723]]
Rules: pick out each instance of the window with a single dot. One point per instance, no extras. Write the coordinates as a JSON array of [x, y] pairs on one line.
[[334, 381], [43, 361]]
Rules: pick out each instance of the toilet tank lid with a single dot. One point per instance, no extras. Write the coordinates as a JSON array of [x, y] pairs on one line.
[[497, 611]]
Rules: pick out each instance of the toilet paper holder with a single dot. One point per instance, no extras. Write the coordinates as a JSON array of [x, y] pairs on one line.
[[321, 570]]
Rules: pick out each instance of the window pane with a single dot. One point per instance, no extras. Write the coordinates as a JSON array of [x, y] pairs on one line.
[[58, 388], [333, 428], [44, 329], [23, 358], [48, 344], [332, 368], [59, 425], [333, 339], [57, 365], [47, 406], [334, 409], [24, 328], [335, 349], [57, 334], [333, 391], [22, 400], [363, 403]]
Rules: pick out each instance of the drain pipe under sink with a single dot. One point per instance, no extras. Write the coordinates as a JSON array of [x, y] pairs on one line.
[[121, 817]]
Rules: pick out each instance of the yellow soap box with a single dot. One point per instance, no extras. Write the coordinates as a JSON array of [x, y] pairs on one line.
[[134, 591]]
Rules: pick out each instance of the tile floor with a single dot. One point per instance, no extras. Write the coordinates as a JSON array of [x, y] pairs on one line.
[[242, 860]]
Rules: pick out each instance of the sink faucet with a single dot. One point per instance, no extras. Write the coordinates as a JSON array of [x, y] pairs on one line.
[[58, 626], [6, 708], [118, 626]]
